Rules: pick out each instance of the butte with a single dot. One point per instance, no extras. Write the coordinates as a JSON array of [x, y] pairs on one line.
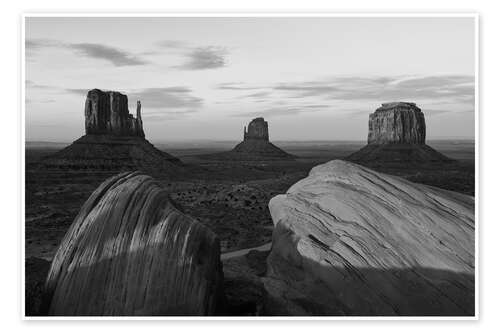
[[396, 136], [114, 140], [254, 147]]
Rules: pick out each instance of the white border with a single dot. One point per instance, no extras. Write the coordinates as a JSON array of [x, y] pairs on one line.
[[256, 14]]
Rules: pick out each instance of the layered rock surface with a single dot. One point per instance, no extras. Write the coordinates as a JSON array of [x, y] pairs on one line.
[[396, 136], [351, 241], [258, 129], [106, 112], [254, 147], [398, 122], [131, 251], [114, 140]]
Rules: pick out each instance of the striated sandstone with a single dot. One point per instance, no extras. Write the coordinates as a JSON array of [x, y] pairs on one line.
[[131, 251], [106, 112], [351, 241], [114, 141], [396, 137], [257, 130], [398, 122], [254, 147]]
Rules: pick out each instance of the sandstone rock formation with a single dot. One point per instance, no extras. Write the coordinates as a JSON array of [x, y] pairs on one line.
[[106, 112], [396, 135], [254, 147], [257, 130], [351, 241], [131, 251], [398, 122], [114, 140]]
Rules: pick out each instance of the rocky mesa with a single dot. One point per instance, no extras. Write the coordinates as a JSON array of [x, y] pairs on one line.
[[114, 140], [396, 135], [106, 112], [254, 147], [352, 241]]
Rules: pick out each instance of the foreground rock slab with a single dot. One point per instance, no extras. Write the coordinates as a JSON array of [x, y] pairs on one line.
[[351, 241], [131, 251]]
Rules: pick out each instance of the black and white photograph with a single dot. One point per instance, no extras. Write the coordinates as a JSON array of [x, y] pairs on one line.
[[224, 165]]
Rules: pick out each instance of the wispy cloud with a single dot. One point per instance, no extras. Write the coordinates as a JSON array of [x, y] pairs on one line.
[[168, 115], [459, 87], [115, 56], [32, 85], [277, 111], [209, 57], [237, 86], [258, 94], [196, 57], [77, 91], [167, 98], [173, 44]]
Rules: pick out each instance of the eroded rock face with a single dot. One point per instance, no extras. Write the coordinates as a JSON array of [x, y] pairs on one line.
[[254, 147], [351, 241], [396, 138], [130, 251], [397, 122], [114, 141], [257, 130], [106, 112]]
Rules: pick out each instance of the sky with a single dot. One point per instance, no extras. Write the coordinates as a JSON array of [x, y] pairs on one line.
[[205, 78]]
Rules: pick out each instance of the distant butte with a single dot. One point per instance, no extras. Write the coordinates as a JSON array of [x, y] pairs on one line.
[[396, 135], [114, 140], [106, 112], [255, 145]]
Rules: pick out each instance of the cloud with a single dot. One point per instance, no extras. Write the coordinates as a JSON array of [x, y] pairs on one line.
[[237, 86], [167, 98], [208, 57], [39, 43], [42, 101], [116, 56], [172, 44], [278, 111], [383, 89], [77, 91], [258, 94], [170, 115], [32, 85]]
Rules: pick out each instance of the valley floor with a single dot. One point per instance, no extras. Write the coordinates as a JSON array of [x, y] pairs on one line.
[[231, 198]]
